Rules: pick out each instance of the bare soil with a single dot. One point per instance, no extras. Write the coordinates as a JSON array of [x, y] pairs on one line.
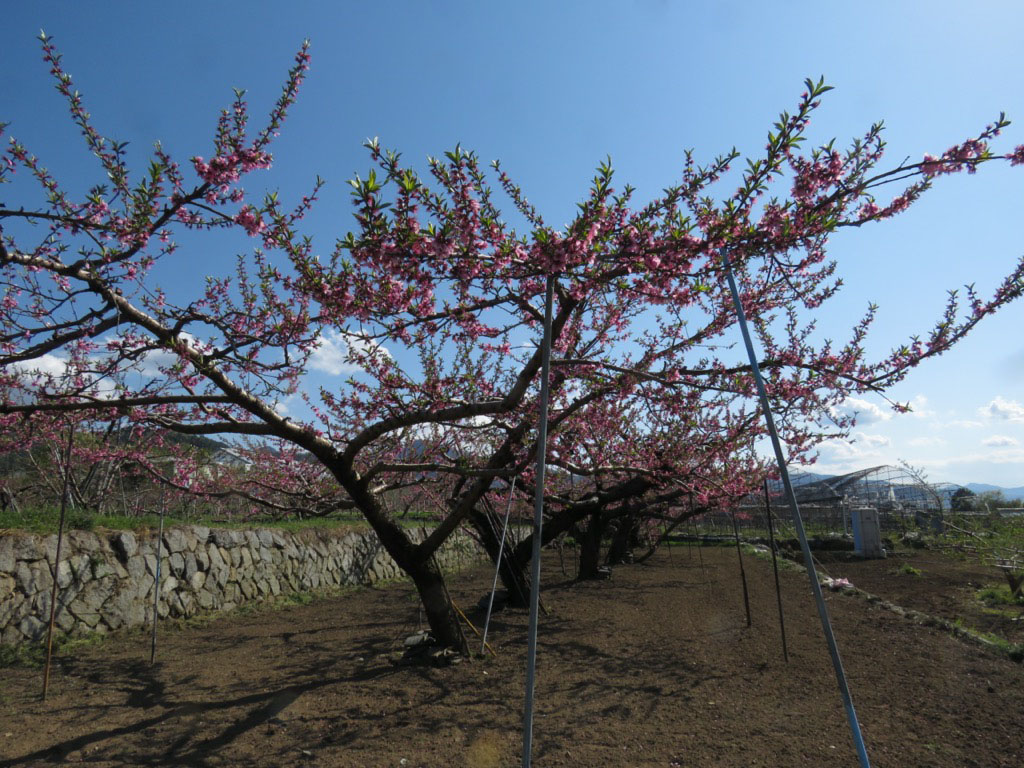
[[655, 667], [945, 585]]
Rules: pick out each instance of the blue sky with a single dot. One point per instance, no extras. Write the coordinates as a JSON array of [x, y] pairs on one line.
[[552, 88]]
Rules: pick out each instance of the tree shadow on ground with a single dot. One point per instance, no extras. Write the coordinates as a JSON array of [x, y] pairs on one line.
[[265, 707]]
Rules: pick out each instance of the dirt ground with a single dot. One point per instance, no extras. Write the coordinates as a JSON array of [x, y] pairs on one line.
[[655, 667], [944, 586]]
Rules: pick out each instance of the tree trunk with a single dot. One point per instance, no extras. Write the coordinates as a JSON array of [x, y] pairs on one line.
[[664, 537], [622, 540], [512, 574], [437, 605], [420, 566], [590, 548]]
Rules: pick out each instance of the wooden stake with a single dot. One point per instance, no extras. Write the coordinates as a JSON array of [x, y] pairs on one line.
[[476, 631]]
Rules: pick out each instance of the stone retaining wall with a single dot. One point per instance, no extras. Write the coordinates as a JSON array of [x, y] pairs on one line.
[[105, 580]]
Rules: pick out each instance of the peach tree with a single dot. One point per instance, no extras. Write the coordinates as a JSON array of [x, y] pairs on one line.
[[435, 300]]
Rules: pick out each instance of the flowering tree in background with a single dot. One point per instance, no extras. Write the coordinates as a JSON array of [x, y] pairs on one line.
[[436, 299]]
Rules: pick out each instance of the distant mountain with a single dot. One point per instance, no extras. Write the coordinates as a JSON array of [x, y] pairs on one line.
[[983, 487], [798, 477], [196, 441], [1009, 493], [802, 478]]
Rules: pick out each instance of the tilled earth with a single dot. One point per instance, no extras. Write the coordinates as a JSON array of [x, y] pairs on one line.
[[937, 584], [655, 667]]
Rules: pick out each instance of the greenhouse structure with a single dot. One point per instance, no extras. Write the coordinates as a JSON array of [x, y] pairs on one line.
[[901, 497]]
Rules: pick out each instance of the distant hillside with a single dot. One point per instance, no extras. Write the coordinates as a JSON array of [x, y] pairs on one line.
[[1009, 493], [798, 477], [803, 478], [175, 438]]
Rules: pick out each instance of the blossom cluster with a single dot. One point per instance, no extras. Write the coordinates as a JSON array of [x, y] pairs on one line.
[[224, 170]]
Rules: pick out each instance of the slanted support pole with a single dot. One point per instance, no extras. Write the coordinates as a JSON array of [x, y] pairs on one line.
[[826, 624]]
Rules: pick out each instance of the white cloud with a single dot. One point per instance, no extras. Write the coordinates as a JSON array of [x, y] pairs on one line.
[[1004, 410], [329, 355], [866, 412], [849, 454], [873, 441], [965, 424], [919, 408], [332, 352], [466, 436], [47, 365], [155, 359], [1002, 455], [1000, 441], [153, 362], [925, 442]]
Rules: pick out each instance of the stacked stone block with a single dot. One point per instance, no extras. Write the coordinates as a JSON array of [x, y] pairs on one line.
[[105, 581]]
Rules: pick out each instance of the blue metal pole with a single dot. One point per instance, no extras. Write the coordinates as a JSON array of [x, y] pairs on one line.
[[538, 519], [826, 625]]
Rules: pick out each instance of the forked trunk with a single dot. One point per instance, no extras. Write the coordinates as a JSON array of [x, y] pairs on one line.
[[511, 573], [517, 587], [437, 605], [420, 566], [590, 548], [622, 541]]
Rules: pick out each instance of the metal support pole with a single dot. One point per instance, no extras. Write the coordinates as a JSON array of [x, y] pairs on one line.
[[56, 560], [156, 580], [538, 520], [497, 567], [743, 573], [775, 568], [833, 649]]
